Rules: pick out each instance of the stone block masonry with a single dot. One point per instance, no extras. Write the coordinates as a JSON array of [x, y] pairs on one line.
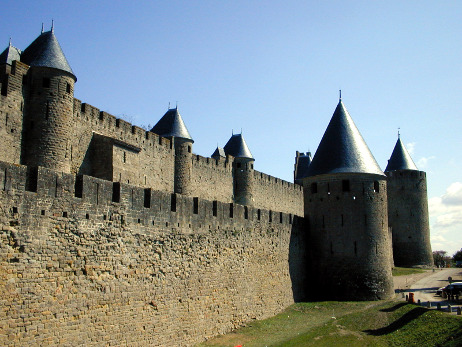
[[85, 261]]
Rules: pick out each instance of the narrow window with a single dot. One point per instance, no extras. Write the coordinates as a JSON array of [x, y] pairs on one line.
[[328, 189], [258, 214], [68, 88], [65, 214], [97, 193], [31, 179], [231, 210], [125, 157], [116, 192], [147, 197], [6, 120], [376, 186], [280, 217], [346, 185], [290, 218], [246, 212], [78, 187], [270, 216], [189, 149], [173, 203], [195, 205], [314, 188], [46, 82], [214, 208]]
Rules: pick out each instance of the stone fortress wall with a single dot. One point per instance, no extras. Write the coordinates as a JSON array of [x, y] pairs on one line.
[[88, 261], [103, 251]]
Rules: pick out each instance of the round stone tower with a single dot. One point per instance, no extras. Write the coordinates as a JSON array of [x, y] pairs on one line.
[[171, 126], [48, 109], [408, 210], [346, 209], [243, 172]]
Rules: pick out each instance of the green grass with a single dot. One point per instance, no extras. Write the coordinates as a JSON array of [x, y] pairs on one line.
[[390, 323], [403, 271]]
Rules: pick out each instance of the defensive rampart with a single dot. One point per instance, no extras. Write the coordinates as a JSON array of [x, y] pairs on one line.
[[89, 261]]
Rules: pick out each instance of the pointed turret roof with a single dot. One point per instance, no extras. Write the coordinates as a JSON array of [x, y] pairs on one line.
[[45, 51], [237, 147], [302, 165], [400, 158], [219, 153], [171, 125], [9, 54], [343, 149]]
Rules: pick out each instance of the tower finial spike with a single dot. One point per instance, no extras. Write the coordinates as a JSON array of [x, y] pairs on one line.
[[52, 26], [9, 44], [176, 106], [398, 133], [42, 28], [340, 95], [169, 105]]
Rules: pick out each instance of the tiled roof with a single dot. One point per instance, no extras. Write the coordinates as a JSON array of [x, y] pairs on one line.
[[46, 51], [400, 159], [343, 149], [171, 125]]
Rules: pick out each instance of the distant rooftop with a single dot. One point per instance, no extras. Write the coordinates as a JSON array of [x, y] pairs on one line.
[[342, 148], [400, 159], [9, 54], [301, 166], [219, 153]]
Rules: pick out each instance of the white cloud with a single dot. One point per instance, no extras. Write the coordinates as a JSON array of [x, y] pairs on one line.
[[453, 195], [446, 219], [410, 147], [423, 162]]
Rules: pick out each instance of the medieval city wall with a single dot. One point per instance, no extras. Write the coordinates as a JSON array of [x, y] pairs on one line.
[[212, 179], [275, 194], [88, 261]]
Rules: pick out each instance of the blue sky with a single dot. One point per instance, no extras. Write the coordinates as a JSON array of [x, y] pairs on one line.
[[273, 69]]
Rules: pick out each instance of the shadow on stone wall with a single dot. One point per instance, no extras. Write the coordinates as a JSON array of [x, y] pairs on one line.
[[299, 260]]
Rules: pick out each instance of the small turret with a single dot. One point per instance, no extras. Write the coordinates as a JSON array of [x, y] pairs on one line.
[[346, 209], [408, 210], [49, 104], [242, 169], [171, 126], [302, 162]]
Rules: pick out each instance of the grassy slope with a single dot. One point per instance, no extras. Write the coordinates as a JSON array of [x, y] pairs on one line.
[[389, 323], [403, 271]]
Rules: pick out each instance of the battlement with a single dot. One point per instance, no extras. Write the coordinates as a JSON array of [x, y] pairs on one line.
[[118, 128], [260, 176], [41, 192]]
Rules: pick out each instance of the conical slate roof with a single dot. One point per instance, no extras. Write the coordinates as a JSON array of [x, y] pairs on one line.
[[343, 149], [400, 159], [9, 54], [171, 125], [303, 163], [219, 153], [46, 51], [237, 147]]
